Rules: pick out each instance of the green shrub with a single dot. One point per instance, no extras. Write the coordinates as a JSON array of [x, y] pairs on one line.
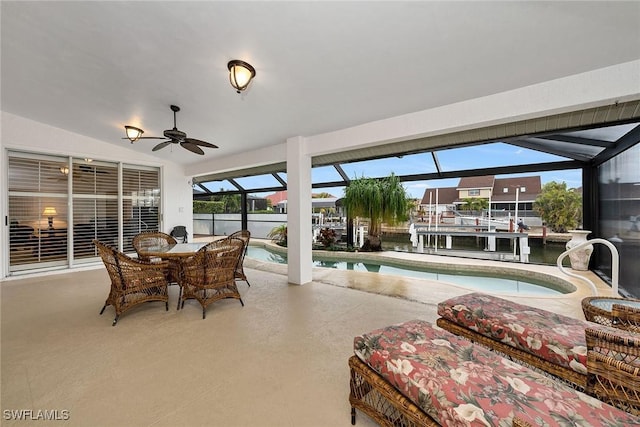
[[207, 207]]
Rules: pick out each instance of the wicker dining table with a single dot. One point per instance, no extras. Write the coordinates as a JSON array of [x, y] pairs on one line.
[[173, 253], [168, 252]]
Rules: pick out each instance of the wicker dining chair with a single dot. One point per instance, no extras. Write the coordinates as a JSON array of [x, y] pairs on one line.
[[208, 276], [147, 239], [152, 238], [133, 282], [243, 235]]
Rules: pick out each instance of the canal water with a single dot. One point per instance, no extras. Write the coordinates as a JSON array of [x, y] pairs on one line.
[[540, 254]]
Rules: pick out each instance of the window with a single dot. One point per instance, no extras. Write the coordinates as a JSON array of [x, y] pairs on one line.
[[474, 192], [523, 189], [505, 190]]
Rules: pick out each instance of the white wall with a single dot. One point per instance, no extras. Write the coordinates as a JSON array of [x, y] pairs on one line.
[[23, 134]]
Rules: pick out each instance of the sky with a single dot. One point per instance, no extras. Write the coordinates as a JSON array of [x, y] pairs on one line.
[[474, 157]]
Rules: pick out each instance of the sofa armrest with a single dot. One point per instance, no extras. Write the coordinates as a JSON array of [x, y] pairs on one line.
[[620, 345], [613, 365]]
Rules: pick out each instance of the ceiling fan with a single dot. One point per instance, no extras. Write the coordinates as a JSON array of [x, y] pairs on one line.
[[175, 136]]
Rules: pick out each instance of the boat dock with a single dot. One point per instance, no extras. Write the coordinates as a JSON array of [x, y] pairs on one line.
[[421, 238]]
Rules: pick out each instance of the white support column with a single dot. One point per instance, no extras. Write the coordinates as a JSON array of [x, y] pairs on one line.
[[491, 243], [525, 250], [299, 231]]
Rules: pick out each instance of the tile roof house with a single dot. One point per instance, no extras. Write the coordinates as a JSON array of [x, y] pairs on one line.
[[502, 192], [446, 196]]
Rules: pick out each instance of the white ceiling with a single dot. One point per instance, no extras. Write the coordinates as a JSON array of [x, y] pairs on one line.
[[92, 67]]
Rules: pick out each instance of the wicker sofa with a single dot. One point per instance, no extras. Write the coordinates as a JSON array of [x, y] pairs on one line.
[[601, 360], [413, 374], [545, 340]]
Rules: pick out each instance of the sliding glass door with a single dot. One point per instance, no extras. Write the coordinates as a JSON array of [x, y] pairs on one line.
[[58, 205], [38, 200], [95, 207]]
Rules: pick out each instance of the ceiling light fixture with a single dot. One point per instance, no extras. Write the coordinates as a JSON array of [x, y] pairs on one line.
[[240, 74], [133, 133]]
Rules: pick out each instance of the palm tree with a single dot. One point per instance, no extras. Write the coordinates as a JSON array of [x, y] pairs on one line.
[[278, 234], [380, 200], [475, 204]]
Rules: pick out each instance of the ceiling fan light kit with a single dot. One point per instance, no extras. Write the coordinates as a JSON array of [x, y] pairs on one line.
[[240, 74], [133, 133], [172, 136]]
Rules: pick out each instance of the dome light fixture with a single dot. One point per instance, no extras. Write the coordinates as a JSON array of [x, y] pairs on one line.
[[240, 74], [133, 133]]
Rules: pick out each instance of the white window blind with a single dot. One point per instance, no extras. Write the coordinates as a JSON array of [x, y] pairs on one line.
[[95, 206], [140, 201], [38, 189]]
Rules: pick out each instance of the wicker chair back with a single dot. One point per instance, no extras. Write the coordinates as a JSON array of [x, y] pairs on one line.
[[243, 235], [133, 282], [209, 275], [148, 239]]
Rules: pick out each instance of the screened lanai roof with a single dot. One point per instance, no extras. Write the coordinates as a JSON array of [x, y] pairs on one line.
[[522, 147]]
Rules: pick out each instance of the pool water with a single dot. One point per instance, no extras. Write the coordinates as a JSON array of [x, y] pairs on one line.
[[469, 280]]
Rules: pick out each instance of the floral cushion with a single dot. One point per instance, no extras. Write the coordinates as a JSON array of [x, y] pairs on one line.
[[459, 383], [555, 338]]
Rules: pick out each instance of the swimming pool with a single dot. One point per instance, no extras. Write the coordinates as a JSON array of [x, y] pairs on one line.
[[474, 280]]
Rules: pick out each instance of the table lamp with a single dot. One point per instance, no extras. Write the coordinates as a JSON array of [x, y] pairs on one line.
[[49, 212]]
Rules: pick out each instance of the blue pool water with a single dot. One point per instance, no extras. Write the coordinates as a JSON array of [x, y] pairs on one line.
[[469, 280]]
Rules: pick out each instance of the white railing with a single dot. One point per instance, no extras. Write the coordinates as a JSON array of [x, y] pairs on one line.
[[615, 263]]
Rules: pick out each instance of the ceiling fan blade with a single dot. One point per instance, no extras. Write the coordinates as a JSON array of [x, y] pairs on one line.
[[192, 147], [161, 146], [200, 143]]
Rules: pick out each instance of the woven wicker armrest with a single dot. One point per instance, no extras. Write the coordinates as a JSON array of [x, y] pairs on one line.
[[622, 345], [626, 317], [613, 363]]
